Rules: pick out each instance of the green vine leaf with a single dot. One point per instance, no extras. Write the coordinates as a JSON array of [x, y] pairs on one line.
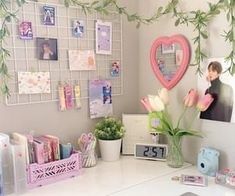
[[197, 18]]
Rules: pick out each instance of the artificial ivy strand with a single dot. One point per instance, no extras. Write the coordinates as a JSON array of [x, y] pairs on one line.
[[7, 16], [197, 18]]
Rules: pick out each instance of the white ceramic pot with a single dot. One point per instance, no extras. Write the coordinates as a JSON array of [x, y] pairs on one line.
[[110, 149]]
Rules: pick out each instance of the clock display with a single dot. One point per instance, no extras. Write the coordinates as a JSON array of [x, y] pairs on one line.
[[151, 151]]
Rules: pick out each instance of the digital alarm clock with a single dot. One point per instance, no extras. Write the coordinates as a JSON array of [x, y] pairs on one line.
[[151, 151]]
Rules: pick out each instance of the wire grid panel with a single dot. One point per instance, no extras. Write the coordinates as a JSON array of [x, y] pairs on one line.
[[24, 52]]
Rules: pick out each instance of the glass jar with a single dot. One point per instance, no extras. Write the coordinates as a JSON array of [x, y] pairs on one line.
[[174, 157], [89, 158]]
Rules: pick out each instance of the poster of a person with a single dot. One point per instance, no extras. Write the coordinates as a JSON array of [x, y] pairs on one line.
[[221, 85], [47, 48], [25, 30], [48, 15], [78, 28]]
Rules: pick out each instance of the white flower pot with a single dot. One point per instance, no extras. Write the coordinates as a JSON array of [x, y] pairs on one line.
[[110, 149]]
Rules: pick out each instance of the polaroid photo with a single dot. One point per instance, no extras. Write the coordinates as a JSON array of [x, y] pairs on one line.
[[48, 15], [46, 49], [115, 69], [103, 37], [25, 30], [78, 28]]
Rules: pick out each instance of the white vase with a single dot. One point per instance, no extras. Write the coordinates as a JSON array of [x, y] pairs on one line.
[[110, 149]]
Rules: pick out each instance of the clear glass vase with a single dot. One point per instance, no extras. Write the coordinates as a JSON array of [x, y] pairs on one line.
[[174, 157]]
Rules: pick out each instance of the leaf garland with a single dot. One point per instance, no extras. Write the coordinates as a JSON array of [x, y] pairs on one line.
[[229, 35], [199, 19]]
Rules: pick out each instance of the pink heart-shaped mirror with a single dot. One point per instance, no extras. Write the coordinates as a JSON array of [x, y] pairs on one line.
[[169, 58]]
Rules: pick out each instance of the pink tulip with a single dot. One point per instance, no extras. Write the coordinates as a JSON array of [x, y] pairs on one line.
[[191, 98], [205, 102], [146, 104]]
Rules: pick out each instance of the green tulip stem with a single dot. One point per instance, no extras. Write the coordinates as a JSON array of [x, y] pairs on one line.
[[195, 113], [181, 116]]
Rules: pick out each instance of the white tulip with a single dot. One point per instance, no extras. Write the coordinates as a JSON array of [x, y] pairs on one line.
[[164, 95], [156, 103]]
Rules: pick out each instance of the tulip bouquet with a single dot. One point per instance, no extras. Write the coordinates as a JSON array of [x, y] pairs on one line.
[[156, 105]]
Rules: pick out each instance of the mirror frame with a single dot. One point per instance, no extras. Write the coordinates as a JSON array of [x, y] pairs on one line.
[[185, 47]]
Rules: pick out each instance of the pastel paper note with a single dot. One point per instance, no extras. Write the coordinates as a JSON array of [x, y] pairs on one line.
[[103, 37], [82, 60], [34, 82], [100, 97]]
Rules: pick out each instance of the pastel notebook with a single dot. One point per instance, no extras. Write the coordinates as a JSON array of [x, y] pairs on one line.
[[39, 151], [65, 150], [47, 150], [22, 139], [54, 143], [19, 168], [6, 162]]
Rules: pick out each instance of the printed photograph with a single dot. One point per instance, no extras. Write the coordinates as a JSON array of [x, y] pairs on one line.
[[115, 68], [100, 98], [220, 84], [47, 48], [48, 15], [103, 37], [25, 30], [78, 28]]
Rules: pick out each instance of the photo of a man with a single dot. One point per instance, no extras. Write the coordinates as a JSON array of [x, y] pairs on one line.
[[221, 90], [47, 49]]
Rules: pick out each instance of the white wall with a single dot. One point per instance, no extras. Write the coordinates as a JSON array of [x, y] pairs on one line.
[[45, 118], [218, 134]]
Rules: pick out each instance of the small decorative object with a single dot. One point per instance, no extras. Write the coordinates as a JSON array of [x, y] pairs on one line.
[[25, 30], [168, 48], [115, 69], [34, 82], [87, 144], [208, 161], [156, 105], [48, 15], [226, 177], [192, 180], [78, 28], [151, 151], [81, 60], [109, 132], [103, 37], [47, 48], [100, 98], [170, 74]]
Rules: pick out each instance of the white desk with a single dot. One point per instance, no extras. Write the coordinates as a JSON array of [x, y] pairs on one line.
[[128, 177]]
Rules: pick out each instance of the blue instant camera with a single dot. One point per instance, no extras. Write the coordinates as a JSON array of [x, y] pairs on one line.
[[208, 161]]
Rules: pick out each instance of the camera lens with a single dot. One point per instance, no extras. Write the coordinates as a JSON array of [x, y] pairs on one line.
[[202, 165]]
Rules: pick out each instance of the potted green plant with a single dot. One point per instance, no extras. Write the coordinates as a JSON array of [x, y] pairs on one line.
[[109, 132]]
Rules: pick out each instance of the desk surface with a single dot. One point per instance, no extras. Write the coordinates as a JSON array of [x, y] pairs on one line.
[[127, 177]]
